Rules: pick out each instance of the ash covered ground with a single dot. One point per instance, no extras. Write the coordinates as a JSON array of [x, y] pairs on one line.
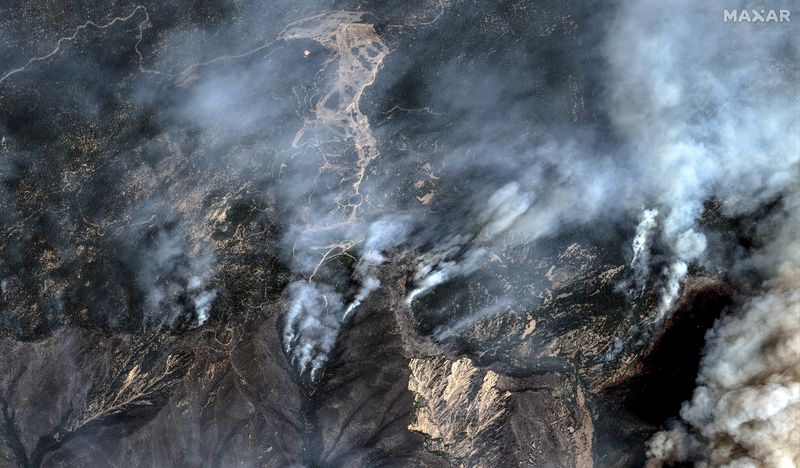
[[385, 233]]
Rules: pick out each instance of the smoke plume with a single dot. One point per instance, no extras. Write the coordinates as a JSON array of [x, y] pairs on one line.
[[745, 410], [176, 281], [716, 122], [640, 263], [690, 110], [311, 325]]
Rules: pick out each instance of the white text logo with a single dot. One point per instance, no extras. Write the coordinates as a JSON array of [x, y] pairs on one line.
[[756, 16]]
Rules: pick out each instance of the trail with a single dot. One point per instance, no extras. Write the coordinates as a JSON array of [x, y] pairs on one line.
[[74, 35]]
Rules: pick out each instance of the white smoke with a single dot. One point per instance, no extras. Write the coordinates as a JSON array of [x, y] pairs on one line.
[[317, 310], [641, 249], [704, 122], [312, 324], [502, 306], [711, 123], [503, 208], [433, 271], [457, 256], [688, 245], [381, 235], [202, 304], [368, 284], [746, 408], [671, 290], [170, 270]]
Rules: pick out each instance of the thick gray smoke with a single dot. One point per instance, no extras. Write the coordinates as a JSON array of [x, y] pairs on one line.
[[701, 121], [713, 120], [704, 123], [746, 408], [700, 110], [697, 122]]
